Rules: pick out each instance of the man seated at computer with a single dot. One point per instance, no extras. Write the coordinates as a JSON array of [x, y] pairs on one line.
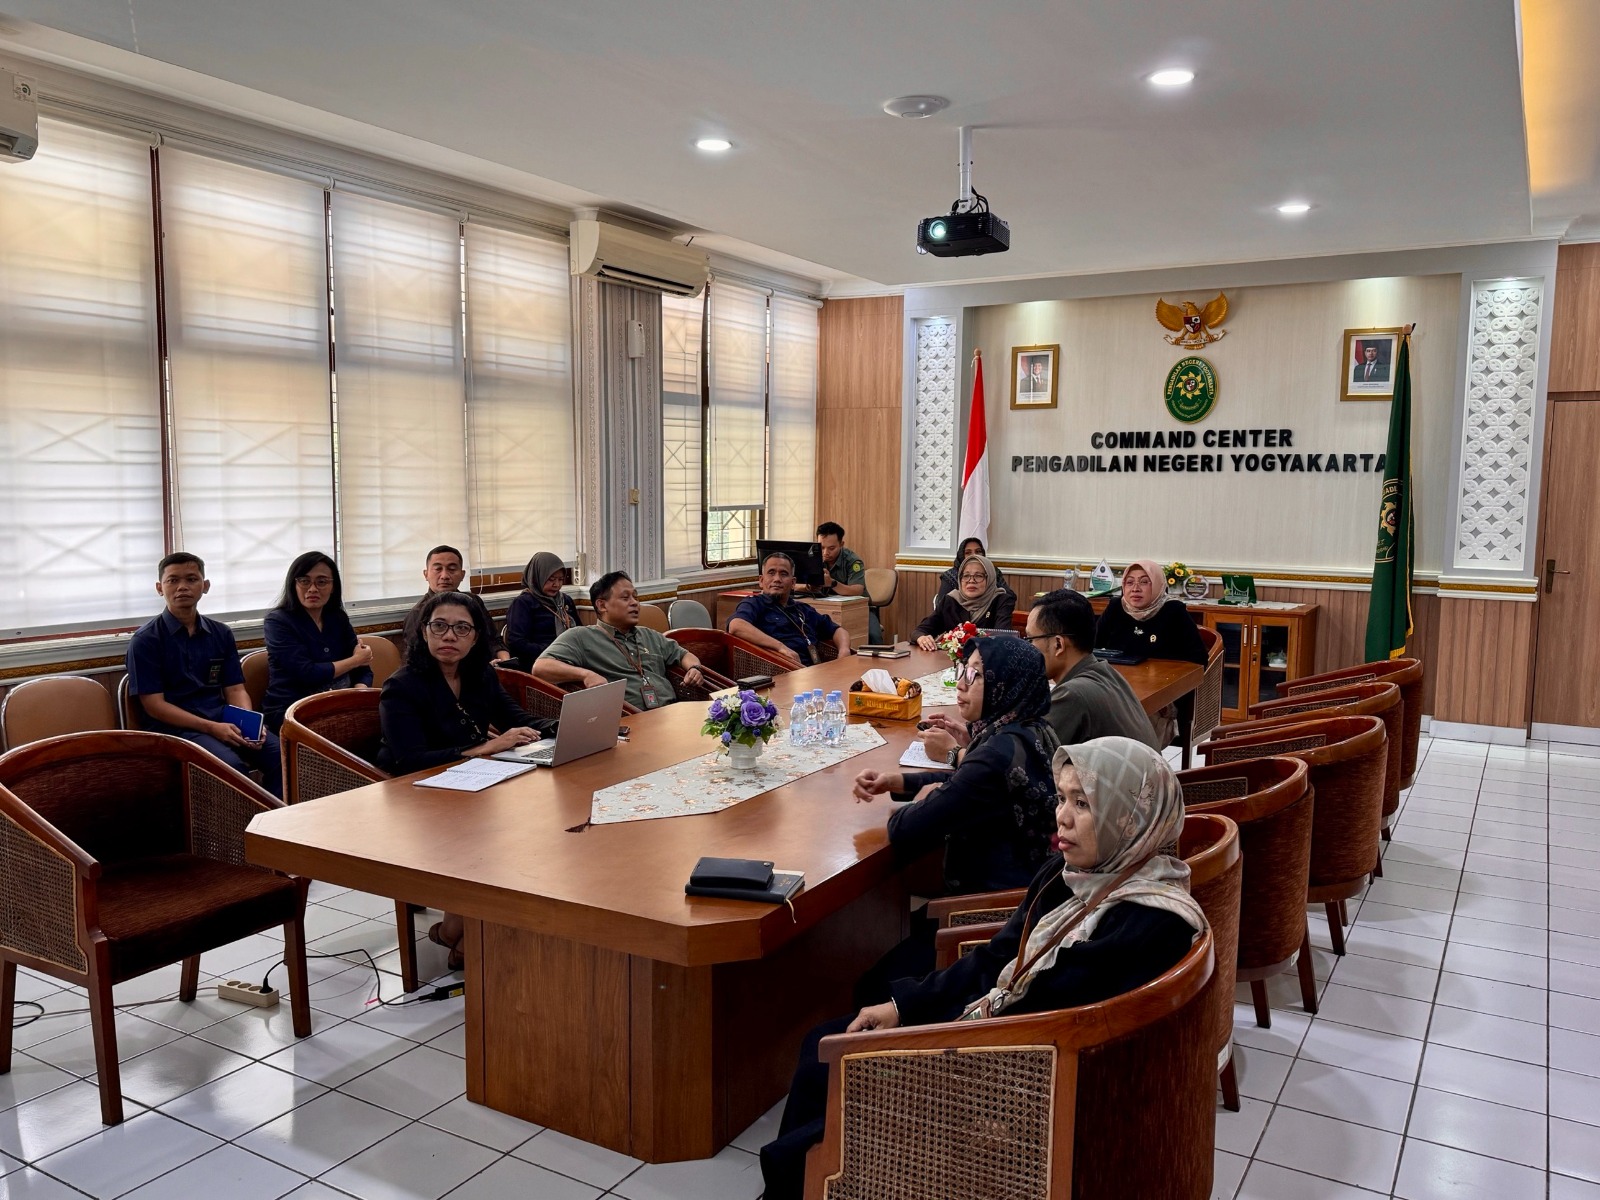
[[775, 621], [444, 570], [616, 646], [184, 669], [843, 572]]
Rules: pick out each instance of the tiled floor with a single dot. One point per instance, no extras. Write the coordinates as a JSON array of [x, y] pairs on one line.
[[1456, 1054]]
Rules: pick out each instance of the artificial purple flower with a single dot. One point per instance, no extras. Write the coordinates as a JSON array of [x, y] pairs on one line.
[[727, 739], [772, 710], [718, 711], [753, 713]]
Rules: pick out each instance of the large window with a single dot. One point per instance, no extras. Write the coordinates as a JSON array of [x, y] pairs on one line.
[[341, 373], [739, 463]]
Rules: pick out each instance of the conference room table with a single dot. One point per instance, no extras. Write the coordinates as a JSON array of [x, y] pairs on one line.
[[601, 1001]]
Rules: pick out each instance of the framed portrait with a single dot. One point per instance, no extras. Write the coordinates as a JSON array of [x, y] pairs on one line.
[[1033, 376], [1370, 357]]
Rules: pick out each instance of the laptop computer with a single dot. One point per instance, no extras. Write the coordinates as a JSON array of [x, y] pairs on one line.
[[588, 725]]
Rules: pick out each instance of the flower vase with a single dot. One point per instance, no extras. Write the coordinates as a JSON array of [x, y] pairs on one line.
[[951, 676], [742, 757], [1174, 591]]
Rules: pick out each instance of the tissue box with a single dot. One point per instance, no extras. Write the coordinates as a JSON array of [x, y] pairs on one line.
[[907, 706]]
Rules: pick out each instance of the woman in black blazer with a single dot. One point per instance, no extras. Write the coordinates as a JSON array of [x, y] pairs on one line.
[[311, 645], [978, 598], [540, 611], [1145, 623]]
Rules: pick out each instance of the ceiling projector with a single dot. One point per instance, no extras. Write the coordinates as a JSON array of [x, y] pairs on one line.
[[962, 233], [969, 227]]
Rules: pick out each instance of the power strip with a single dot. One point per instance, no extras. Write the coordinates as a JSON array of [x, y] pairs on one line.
[[248, 993]]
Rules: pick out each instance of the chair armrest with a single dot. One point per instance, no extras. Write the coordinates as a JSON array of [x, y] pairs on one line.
[[60, 919], [959, 940], [710, 682], [975, 909]]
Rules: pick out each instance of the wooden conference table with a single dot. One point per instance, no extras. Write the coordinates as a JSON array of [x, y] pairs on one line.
[[601, 1001]]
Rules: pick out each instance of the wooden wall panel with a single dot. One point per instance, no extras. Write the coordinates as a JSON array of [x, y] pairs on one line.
[[1575, 321], [858, 423], [1485, 662]]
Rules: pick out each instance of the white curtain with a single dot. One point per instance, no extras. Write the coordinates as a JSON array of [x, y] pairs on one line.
[[80, 438], [401, 393], [682, 450], [519, 337], [245, 255], [792, 421], [736, 447]]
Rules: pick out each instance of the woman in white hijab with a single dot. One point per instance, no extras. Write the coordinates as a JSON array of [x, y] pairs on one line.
[[1111, 912]]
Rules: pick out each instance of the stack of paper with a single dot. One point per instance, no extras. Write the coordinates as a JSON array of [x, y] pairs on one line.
[[475, 774]]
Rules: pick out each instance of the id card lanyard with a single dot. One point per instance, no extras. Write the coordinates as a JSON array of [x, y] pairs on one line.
[[647, 688]]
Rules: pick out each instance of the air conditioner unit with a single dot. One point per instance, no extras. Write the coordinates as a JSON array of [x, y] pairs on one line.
[[619, 255], [19, 119]]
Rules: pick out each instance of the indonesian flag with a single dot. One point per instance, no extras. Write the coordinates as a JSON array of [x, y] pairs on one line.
[[975, 476]]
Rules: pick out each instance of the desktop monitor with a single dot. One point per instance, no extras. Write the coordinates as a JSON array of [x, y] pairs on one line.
[[807, 558]]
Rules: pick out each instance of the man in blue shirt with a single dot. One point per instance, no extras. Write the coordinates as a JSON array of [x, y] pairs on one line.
[[184, 668], [775, 621]]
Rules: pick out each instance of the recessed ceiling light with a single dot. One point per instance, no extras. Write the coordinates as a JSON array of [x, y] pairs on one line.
[[915, 106], [1172, 77], [713, 145], [1294, 208]]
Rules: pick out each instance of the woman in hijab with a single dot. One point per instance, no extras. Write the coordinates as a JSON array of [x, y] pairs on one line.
[[949, 579], [1108, 913], [1144, 623], [540, 610], [978, 598]]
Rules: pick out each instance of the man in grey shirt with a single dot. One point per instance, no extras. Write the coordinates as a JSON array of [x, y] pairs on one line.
[[1088, 699]]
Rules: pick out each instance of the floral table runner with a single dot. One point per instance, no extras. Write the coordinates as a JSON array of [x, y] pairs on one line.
[[934, 691], [706, 783]]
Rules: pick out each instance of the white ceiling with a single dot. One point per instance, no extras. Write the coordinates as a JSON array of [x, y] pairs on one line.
[[1401, 123]]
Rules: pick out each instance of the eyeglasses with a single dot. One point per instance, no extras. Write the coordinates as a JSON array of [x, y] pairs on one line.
[[968, 675], [974, 579], [320, 581], [460, 628], [1035, 637]]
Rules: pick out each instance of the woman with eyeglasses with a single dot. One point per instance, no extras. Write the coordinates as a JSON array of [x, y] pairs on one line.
[[949, 578], [994, 814], [540, 611], [311, 645], [978, 598]]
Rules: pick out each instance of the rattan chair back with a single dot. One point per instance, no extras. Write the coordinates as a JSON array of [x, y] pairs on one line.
[[57, 704], [254, 666], [330, 743], [385, 657], [729, 655], [1405, 673]]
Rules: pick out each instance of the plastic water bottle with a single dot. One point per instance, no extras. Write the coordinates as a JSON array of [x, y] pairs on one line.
[[797, 719], [814, 717], [833, 719]]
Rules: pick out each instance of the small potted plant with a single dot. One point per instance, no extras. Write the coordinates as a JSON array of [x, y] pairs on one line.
[[951, 641], [742, 725], [1177, 575]]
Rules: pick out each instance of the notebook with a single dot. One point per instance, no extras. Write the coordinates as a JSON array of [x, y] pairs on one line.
[[245, 720], [916, 756]]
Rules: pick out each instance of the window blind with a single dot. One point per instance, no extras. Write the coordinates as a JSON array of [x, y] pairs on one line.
[[681, 449], [245, 264], [519, 334], [736, 445], [792, 420], [400, 393], [80, 431]]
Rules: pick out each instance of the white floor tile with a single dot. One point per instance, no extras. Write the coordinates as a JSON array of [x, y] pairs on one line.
[[1581, 1013], [338, 1055], [1411, 895], [1396, 947], [1497, 935], [1485, 963], [419, 1163], [74, 1051], [1227, 1170], [1575, 920], [29, 1078], [28, 1184], [1574, 1150], [568, 1156], [1575, 979], [362, 904], [1392, 917], [454, 1042], [1515, 868], [418, 1022], [1573, 1051], [260, 1032], [765, 1127], [478, 1123], [1575, 1097], [191, 1016], [1391, 978], [1476, 883], [1288, 1029], [1347, 1095], [1563, 1187], [1491, 996], [1484, 1077], [1260, 1072], [1239, 1132], [513, 1179], [731, 1175], [1353, 1154], [1364, 1050], [169, 1071], [227, 1172], [1572, 947], [1375, 1011], [414, 1084], [1489, 1034], [121, 1157], [1433, 1172], [239, 1102], [1466, 1123], [318, 1136], [55, 1120], [1439, 878], [1533, 914], [1265, 1181]]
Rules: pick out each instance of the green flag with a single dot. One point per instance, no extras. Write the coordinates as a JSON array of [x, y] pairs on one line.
[[1389, 614]]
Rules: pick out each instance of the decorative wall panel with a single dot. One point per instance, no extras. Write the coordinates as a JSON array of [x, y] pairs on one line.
[[1497, 429], [933, 435]]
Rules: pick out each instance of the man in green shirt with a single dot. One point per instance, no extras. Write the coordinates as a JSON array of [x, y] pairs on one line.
[[617, 647], [846, 573]]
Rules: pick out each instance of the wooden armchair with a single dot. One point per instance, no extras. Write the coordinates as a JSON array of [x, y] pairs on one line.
[[992, 1108], [385, 657], [729, 656], [124, 852], [1404, 673], [1270, 800], [330, 740], [56, 704], [1347, 757], [536, 696], [255, 667], [1377, 699]]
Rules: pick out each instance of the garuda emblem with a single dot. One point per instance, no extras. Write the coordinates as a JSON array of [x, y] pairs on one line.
[[1194, 327]]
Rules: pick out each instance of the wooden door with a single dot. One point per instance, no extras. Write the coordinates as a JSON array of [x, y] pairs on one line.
[[1567, 661]]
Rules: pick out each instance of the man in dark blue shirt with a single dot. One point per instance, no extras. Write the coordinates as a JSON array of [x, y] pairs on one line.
[[184, 668], [775, 621]]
